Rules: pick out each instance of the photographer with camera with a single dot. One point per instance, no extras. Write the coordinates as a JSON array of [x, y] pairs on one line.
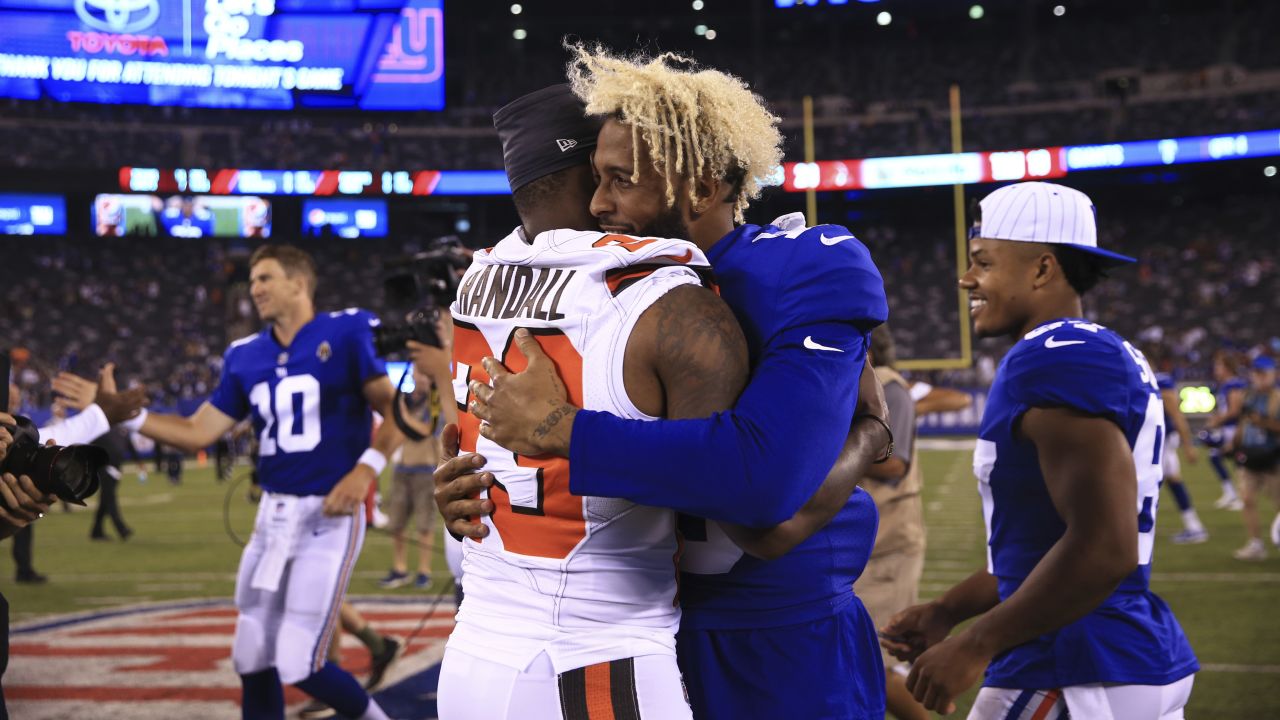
[[21, 503], [1257, 452], [31, 476]]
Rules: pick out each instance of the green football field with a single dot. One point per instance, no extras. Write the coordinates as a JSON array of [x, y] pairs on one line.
[[181, 549]]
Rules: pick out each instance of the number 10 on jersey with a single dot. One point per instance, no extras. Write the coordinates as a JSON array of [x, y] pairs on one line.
[[290, 414]]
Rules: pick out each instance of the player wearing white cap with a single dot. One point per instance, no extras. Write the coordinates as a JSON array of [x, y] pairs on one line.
[[1069, 467]]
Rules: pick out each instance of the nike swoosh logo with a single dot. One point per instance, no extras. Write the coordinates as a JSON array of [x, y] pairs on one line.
[[686, 257], [1051, 343], [834, 240], [809, 343]]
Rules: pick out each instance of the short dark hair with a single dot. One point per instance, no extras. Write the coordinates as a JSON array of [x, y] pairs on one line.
[[537, 192], [1083, 270], [294, 261]]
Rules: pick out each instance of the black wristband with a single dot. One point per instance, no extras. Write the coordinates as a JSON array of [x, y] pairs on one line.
[[887, 431]]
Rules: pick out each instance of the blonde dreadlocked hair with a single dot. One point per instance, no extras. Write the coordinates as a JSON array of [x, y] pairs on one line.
[[699, 124]]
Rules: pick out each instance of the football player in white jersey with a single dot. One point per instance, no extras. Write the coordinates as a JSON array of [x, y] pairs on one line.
[[570, 606]]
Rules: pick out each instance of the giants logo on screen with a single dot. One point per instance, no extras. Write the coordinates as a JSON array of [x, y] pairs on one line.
[[118, 16], [415, 52]]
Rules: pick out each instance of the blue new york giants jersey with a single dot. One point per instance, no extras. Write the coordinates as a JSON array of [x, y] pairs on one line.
[[812, 294], [309, 413], [1132, 637], [200, 223], [1221, 398]]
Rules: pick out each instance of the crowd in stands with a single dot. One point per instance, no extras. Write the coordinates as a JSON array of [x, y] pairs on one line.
[[164, 310]]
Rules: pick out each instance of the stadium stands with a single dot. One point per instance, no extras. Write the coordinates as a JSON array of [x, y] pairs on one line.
[[144, 302]]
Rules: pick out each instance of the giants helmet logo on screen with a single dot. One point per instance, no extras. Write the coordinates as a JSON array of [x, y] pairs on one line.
[[118, 16]]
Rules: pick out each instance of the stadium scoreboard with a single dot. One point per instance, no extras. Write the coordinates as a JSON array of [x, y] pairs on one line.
[[263, 54]]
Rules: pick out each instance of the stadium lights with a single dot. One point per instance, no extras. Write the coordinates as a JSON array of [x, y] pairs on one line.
[[976, 12], [517, 9], [711, 34], [884, 18], [698, 4], [519, 34], [1059, 10], [700, 30]]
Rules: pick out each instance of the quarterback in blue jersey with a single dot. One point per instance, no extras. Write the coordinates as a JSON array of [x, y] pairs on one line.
[[309, 382], [775, 532], [1069, 467]]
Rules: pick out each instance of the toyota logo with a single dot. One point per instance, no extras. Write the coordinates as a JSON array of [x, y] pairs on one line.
[[118, 16]]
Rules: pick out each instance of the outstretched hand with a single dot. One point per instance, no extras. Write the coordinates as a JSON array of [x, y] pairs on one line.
[[76, 392], [526, 412]]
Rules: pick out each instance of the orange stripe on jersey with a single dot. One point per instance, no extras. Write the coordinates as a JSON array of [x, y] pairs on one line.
[[620, 279], [599, 692], [631, 244], [1050, 699], [604, 691], [623, 278]]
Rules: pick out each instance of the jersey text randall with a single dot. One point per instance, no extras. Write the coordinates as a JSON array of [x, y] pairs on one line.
[[504, 292]]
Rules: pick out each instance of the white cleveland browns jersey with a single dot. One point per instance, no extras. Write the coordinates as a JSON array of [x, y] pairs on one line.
[[585, 579]]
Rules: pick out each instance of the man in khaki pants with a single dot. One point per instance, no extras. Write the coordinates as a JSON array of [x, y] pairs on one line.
[[427, 410], [891, 581]]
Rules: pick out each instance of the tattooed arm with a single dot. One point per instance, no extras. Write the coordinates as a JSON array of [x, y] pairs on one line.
[[686, 358]]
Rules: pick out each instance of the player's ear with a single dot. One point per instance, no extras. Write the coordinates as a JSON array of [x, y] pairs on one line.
[[1046, 268], [706, 194]]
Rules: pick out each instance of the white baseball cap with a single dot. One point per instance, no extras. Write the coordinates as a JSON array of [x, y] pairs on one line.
[[1044, 213]]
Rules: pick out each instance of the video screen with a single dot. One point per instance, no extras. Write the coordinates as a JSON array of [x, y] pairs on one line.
[[259, 54], [344, 218], [181, 216], [22, 214]]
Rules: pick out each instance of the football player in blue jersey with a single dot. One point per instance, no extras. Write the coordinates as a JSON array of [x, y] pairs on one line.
[[309, 381], [1178, 437], [775, 631], [1069, 466], [1220, 430], [183, 217]]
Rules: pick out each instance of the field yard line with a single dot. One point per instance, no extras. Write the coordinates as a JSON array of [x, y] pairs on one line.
[[159, 499], [1229, 668], [946, 443], [1215, 577]]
